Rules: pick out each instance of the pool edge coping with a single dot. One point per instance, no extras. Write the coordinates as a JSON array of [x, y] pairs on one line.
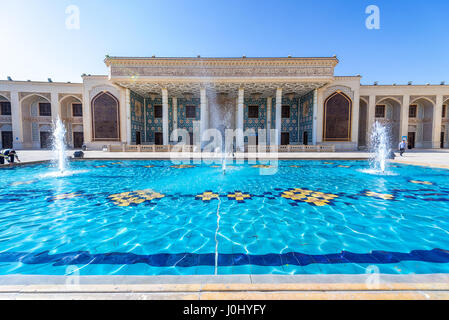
[[238, 287]]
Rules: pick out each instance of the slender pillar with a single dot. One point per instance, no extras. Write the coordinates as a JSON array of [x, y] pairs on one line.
[[128, 116], [371, 115], [16, 120], [165, 137], [240, 138], [278, 115], [175, 113], [269, 102], [314, 117], [403, 129], [203, 110], [436, 122], [355, 119], [419, 136], [55, 110], [145, 138]]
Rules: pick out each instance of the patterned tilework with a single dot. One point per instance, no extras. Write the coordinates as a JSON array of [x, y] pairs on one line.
[[137, 116], [155, 124], [126, 199], [306, 117], [383, 196], [183, 121], [239, 196], [311, 197], [303, 116], [291, 124], [253, 123], [207, 196]]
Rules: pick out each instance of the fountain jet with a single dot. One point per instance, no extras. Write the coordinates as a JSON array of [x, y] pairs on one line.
[[379, 147], [59, 148]]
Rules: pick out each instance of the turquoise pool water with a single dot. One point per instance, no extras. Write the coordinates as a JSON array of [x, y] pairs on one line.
[[150, 218]]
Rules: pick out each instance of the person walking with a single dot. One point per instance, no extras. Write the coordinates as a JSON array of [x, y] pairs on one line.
[[402, 146]]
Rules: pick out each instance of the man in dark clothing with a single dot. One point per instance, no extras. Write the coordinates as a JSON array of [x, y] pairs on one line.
[[9, 154]]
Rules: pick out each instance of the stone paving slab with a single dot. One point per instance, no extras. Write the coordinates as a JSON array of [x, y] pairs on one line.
[[427, 286]]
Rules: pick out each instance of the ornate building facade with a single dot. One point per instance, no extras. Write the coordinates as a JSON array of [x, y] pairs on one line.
[[144, 100]]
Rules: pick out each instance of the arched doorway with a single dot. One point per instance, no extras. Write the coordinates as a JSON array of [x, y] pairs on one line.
[[388, 113], [105, 117], [421, 116], [337, 117], [36, 114], [71, 114]]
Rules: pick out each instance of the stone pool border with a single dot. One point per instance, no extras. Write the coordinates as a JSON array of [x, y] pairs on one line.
[[228, 287]]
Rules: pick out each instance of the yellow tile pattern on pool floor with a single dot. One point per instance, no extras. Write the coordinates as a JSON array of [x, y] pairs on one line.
[[316, 198], [384, 196], [125, 199]]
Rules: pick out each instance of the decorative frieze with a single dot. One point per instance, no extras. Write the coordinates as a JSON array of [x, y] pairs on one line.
[[216, 68]]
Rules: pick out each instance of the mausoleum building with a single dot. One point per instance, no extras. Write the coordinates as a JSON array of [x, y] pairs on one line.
[[142, 101]]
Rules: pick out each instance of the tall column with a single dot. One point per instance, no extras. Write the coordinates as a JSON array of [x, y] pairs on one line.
[[128, 117], [278, 115], [269, 101], [419, 136], [165, 137], [446, 136], [144, 134], [175, 113], [403, 129], [240, 138], [17, 122], [55, 110], [314, 117], [355, 119], [371, 115], [203, 110], [436, 122]]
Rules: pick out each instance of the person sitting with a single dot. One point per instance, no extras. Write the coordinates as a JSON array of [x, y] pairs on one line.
[[9, 154]]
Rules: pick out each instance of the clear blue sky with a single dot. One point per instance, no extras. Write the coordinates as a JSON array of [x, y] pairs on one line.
[[411, 45]]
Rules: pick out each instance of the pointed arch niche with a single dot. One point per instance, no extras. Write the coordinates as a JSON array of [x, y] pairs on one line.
[[105, 117], [337, 117]]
